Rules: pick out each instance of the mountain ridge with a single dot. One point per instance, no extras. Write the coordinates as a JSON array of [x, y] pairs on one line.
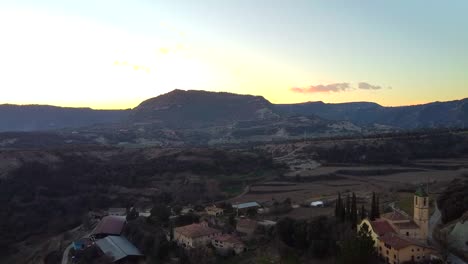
[[180, 109]]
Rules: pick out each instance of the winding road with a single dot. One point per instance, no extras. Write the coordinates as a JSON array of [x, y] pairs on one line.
[[65, 254]]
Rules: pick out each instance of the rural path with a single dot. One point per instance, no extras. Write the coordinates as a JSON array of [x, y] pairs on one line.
[[65, 254], [433, 221]]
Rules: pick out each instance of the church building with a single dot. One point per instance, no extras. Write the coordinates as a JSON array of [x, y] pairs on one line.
[[400, 238]]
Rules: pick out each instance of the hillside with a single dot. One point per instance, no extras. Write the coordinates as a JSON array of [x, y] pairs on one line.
[[44, 117], [193, 109], [436, 114], [205, 118]]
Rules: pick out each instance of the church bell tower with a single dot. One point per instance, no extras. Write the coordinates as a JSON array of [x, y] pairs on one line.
[[421, 211]]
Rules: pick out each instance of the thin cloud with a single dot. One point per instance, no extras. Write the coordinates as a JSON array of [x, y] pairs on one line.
[[368, 86], [334, 87]]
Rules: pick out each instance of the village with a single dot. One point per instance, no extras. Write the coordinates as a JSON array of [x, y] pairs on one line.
[[225, 228], [231, 230]]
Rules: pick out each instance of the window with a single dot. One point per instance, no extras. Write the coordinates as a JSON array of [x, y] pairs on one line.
[[418, 249], [407, 233], [415, 200], [425, 201]]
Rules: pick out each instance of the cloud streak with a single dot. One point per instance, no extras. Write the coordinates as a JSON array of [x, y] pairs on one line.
[[335, 87], [368, 86]]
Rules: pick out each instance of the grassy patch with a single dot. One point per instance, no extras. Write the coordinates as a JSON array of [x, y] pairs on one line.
[[406, 199]]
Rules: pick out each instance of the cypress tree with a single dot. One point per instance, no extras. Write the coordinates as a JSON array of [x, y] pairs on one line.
[[337, 206], [373, 207], [348, 208], [363, 212], [377, 207], [342, 211], [353, 216]]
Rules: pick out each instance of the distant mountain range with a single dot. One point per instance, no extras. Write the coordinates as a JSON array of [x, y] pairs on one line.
[[45, 117], [436, 114], [200, 117]]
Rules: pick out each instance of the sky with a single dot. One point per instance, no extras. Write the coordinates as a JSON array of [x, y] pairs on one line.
[[113, 54]]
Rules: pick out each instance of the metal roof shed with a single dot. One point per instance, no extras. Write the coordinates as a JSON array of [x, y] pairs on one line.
[[118, 248]]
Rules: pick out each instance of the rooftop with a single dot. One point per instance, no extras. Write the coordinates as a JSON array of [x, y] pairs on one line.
[[110, 225], [245, 205], [398, 241], [247, 223], [395, 216], [407, 225], [117, 210], [117, 247], [228, 238], [381, 227], [195, 230]]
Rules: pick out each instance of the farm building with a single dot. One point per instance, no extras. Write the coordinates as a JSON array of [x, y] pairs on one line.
[[109, 226], [243, 207], [119, 249]]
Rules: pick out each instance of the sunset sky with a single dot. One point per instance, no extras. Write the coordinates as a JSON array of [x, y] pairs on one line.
[[114, 54]]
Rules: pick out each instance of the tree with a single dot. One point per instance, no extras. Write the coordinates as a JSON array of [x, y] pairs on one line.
[[132, 214], [377, 207], [358, 249], [348, 208], [338, 206], [160, 213], [353, 216], [251, 212], [171, 232], [373, 213], [363, 212], [232, 220]]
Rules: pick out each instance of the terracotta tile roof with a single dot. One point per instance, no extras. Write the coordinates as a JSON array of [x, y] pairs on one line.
[[110, 225], [196, 230], [399, 241], [382, 227], [395, 216], [407, 225], [228, 238], [247, 223]]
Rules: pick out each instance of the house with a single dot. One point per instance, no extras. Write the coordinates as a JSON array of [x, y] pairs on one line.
[[397, 248], [186, 210], [119, 249], [246, 226], [109, 226], [117, 211], [195, 235], [214, 211], [242, 208], [317, 204], [228, 245], [398, 238]]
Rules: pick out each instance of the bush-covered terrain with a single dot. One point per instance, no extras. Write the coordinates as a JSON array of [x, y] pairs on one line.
[[45, 198]]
